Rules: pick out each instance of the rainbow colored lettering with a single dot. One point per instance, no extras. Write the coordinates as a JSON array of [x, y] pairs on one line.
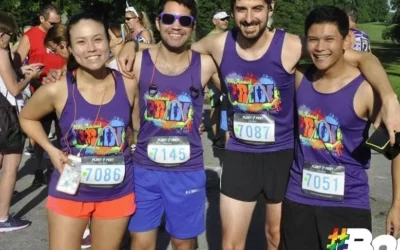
[[252, 94]]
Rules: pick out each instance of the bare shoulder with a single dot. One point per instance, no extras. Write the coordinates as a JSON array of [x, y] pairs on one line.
[[56, 88], [206, 60], [208, 65], [293, 42], [212, 44]]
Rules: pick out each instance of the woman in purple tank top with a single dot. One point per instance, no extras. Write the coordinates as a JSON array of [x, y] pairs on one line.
[[93, 178]]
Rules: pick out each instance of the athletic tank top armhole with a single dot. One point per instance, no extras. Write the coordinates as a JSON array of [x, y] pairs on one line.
[[230, 38], [120, 89], [307, 76], [196, 67], [69, 101], [146, 62]]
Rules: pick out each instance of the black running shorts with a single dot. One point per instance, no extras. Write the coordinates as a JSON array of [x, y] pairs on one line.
[[310, 227], [247, 175]]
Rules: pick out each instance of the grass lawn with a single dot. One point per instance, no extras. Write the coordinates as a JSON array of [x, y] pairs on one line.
[[387, 52]]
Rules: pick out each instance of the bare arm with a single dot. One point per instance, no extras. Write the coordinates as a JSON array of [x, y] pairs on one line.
[[146, 34], [209, 72], [40, 104], [8, 75], [375, 74], [22, 51]]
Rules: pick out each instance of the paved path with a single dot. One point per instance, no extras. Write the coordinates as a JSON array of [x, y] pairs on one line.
[[30, 204]]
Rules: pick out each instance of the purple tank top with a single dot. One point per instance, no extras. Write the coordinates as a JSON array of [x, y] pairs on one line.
[[258, 88], [330, 133], [108, 134], [170, 106], [362, 42]]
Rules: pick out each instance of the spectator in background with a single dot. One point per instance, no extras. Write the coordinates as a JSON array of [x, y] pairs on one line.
[[139, 25], [218, 111], [11, 136], [56, 41], [359, 39], [220, 21], [119, 35], [32, 45]]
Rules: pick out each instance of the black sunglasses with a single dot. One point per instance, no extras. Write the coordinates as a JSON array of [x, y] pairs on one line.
[[224, 19], [184, 20], [129, 18]]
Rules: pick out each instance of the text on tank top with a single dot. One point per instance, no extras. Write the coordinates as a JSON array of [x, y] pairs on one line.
[[171, 113], [362, 41], [104, 138], [330, 156], [261, 94]]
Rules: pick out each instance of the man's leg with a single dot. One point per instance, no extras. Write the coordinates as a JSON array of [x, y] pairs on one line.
[[144, 223], [235, 216], [184, 195], [241, 185], [276, 173], [299, 227]]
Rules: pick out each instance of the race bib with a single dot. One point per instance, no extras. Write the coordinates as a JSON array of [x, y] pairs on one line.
[[324, 181], [169, 151], [254, 128], [105, 171]]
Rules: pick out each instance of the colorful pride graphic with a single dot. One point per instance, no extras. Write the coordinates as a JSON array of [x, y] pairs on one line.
[[252, 94], [102, 138], [321, 132], [170, 111], [337, 240]]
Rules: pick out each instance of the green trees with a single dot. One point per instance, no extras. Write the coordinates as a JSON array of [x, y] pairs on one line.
[[289, 14]]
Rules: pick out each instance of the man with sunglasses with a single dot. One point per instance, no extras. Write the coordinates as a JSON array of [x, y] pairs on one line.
[[220, 21], [32, 46], [32, 43], [257, 66], [169, 173]]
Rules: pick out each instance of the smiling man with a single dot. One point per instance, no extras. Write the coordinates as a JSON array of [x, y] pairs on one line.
[[328, 186], [169, 174]]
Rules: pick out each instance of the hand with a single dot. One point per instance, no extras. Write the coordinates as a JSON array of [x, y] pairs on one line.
[[33, 74], [58, 158], [126, 59], [393, 221], [53, 76], [390, 114], [26, 69]]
